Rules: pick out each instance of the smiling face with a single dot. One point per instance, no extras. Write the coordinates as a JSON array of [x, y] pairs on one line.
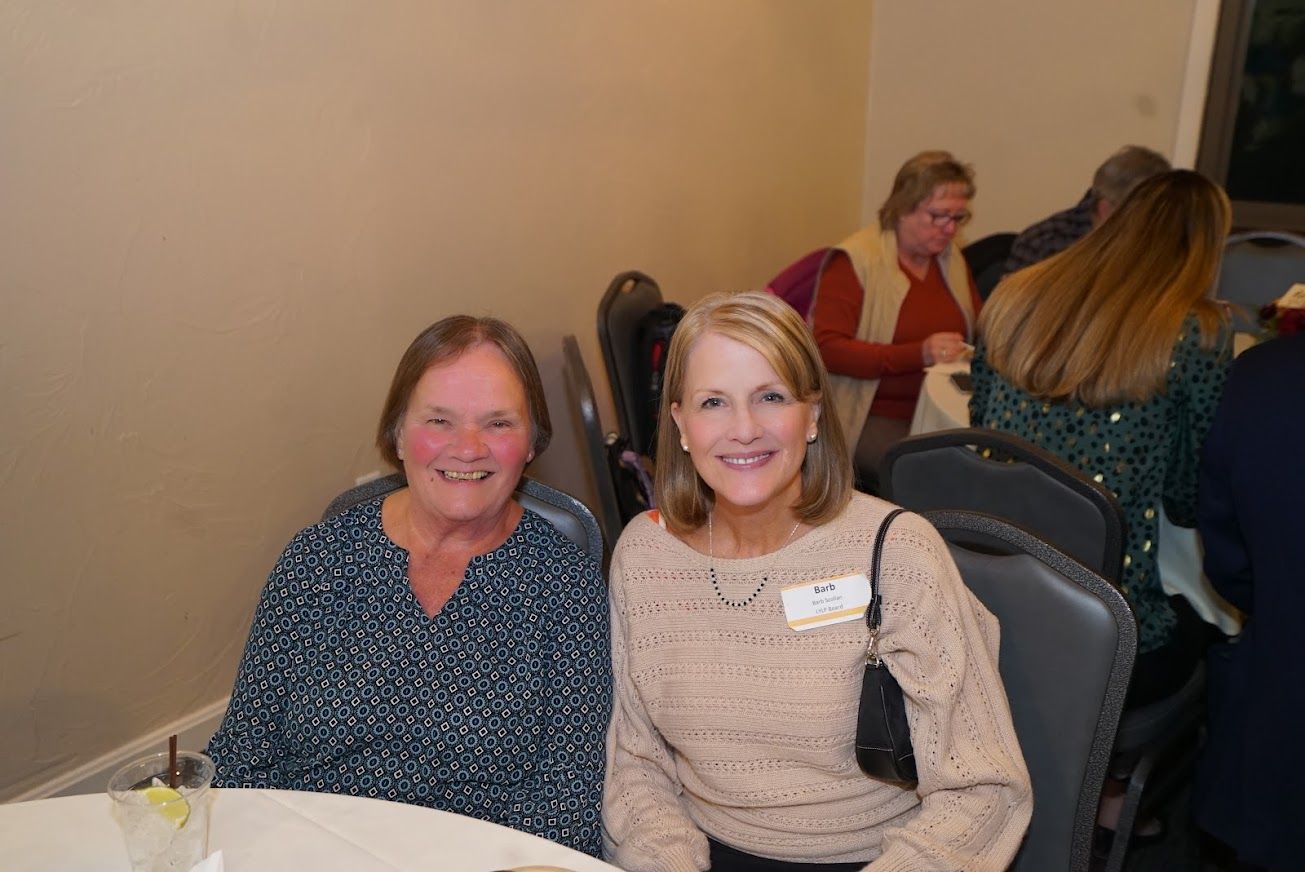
[[747, 433], [466, 438], [918, 234]]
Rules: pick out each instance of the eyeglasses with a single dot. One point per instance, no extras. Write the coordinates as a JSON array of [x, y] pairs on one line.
[[942, 219]]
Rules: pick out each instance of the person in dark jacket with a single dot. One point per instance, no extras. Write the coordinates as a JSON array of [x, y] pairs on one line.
[[1250, 511], [1111, 183]]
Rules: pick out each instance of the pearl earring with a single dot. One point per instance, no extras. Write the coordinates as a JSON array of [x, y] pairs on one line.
[[684, 446], [811, 438]]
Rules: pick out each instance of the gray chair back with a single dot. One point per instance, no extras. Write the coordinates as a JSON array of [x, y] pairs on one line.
[[571, 517], [1068, 641], [629, 297], [595, 443], [1258, 268], [999, 474]]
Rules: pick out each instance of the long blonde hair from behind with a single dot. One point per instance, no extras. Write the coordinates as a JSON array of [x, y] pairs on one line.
[[772, 328], [1097, 323]]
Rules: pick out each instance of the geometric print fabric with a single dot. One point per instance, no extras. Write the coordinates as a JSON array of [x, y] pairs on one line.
[[496, 708]]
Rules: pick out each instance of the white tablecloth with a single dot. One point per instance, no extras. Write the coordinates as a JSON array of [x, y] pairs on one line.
[[943, 406], [283, 829]]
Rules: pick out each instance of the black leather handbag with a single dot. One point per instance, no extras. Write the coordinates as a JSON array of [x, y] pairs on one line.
[[883, 736]]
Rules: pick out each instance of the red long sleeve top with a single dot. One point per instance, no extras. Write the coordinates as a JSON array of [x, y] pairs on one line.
[[927, 309]]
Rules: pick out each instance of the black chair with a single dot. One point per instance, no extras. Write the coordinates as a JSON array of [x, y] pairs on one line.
[[987, 260], [571, 517], [1155, 752], [629, 297], [999, 474], [581, 390], [1002, 475], [1068, 641], [1258, 267]]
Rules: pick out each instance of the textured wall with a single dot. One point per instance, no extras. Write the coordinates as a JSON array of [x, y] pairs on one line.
[[224, 221], [1035, 95]]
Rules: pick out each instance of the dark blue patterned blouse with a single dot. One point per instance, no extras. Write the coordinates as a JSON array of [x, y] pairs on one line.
[[496, 708], [1051, 235]]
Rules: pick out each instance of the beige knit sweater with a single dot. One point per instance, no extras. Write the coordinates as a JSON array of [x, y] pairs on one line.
[[728, 723]]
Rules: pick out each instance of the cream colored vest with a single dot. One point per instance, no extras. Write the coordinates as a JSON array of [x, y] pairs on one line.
[[873, 253]]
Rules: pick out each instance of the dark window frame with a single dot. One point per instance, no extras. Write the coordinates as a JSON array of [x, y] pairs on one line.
[[1227, 66]]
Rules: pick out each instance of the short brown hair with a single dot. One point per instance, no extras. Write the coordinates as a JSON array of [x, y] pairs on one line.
[[768, 325], [448, 340], [918, 178]]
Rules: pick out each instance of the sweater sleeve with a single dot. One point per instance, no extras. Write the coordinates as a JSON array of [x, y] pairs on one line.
[[248, 748], [834, 319], [644, 827], [981, 377], [1196, 383], [578, 704], [941, 644]]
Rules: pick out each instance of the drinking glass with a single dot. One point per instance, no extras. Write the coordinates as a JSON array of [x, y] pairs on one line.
[[166, 830]]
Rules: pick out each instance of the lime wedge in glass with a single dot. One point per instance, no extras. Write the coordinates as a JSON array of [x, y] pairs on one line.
[[170, 803]]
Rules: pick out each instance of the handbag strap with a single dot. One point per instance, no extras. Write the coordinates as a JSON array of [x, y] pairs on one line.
[[874, 610]]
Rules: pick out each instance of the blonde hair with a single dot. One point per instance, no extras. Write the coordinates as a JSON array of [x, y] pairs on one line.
[[771, 327], [916, 181], [1097, 323]]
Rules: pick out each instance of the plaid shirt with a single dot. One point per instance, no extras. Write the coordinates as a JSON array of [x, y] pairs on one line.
[[1051, 235]]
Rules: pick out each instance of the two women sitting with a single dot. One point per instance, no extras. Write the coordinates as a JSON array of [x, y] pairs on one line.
[[442, 646]]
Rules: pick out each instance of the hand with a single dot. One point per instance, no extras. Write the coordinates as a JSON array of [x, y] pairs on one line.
[[943, 348]]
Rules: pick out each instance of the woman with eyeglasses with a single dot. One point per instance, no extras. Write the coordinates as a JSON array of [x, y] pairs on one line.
[[894, 298]]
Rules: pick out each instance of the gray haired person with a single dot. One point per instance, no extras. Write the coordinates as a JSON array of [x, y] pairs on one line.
[[1111, 183]]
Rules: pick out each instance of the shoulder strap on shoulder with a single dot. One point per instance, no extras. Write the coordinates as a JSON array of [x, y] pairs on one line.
[[873, 611]]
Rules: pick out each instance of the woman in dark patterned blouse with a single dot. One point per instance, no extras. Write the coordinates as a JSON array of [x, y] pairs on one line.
[[1112, 356], [439, 645]]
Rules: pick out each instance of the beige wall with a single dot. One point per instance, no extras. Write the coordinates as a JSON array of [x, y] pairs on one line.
[[222, 222], [1035, 95]]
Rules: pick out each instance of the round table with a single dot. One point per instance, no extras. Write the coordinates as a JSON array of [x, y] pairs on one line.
[[944, 406], [285, 829]]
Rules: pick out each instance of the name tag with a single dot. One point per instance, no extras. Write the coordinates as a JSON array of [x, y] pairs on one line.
[[830, 601]]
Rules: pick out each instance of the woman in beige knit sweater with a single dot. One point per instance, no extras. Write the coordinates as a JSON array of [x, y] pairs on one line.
[[731, 744]]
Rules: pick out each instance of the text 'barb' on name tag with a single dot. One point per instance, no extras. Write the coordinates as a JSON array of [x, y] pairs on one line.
[[812, 604]]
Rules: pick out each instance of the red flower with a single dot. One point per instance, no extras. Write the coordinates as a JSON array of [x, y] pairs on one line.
[[1291, 322]]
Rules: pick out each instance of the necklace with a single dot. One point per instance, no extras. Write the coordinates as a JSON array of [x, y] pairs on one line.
[[711, 567]]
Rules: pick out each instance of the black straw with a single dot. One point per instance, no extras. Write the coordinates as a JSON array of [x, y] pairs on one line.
[[172, 761]]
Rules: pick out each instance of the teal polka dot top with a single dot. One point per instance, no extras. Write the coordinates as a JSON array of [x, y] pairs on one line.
[[1145, 453]]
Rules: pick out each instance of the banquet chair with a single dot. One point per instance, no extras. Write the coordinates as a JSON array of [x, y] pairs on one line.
[[629, 297], [1155, 752], [1002, 475], [986, 258], [1258, 268], [581, 390], [571, 517], [1068, 641]]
